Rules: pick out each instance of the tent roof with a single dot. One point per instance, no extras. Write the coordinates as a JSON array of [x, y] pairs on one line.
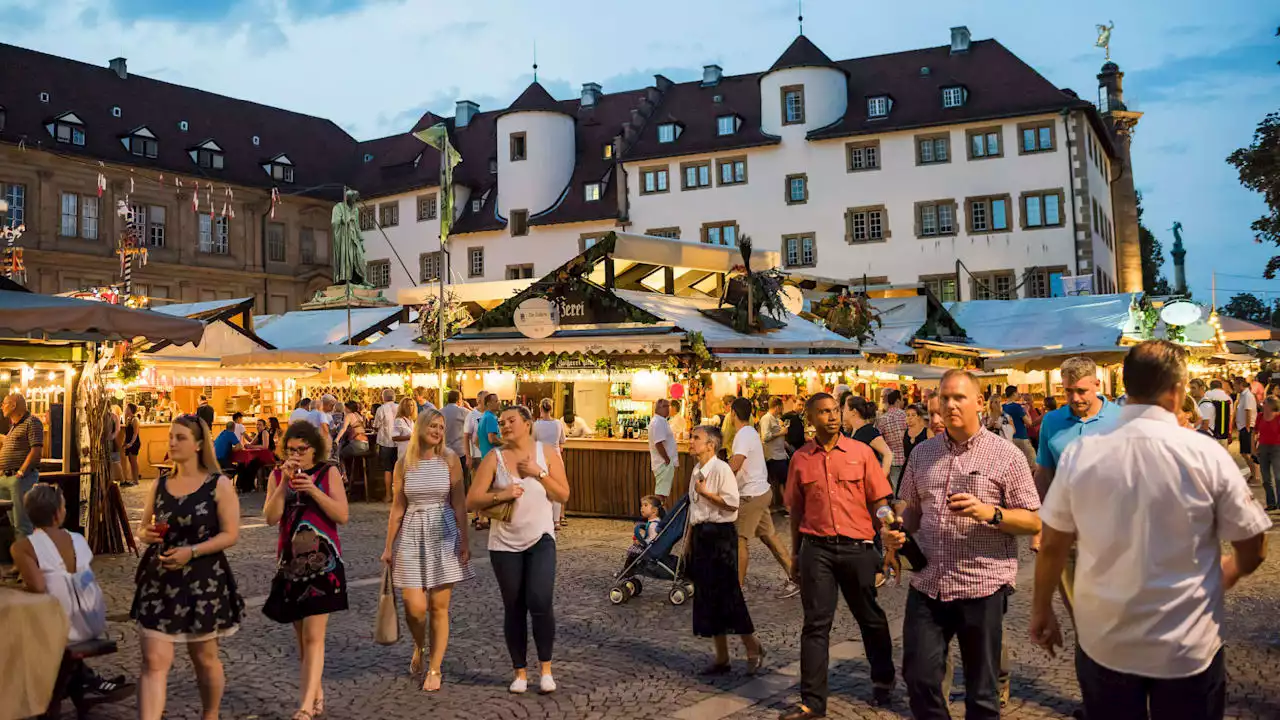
[[902, 317], [1051, 358], [199, 308], [308, 328], [49, 317], [798, 333], [1037, 323], [671, 252]]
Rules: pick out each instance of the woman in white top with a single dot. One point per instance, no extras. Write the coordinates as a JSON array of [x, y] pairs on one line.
[[522, 549], [551, 433], [402, 427], [55, 561], [719, 610]]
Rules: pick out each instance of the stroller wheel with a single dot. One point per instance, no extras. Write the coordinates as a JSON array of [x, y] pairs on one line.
[[688, 589], [635, 586], [677, 596], [618, 595]]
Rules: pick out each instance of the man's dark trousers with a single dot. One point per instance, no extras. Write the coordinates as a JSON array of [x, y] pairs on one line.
[[849, 566], [928, 628]]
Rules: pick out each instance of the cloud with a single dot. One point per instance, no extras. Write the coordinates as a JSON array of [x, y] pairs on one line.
[[202, 11], [1171, 148], [1170, 79], [265, 36]]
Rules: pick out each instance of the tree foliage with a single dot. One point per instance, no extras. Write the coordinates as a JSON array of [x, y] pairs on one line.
[[1259, 168], [1153, 281], [1247, 306]]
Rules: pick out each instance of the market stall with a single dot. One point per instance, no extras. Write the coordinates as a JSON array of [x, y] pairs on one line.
[[630, 321]]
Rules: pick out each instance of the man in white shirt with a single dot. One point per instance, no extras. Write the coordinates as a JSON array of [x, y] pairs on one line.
[[663, 456], [1149, 504], [746, 459], [679, 426], [1215, 408], [469, 429], [301, 412], [384, 421], [1246, 417], [774, 436]]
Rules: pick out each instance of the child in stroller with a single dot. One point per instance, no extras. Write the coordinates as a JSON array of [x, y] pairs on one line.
[[652, 553]]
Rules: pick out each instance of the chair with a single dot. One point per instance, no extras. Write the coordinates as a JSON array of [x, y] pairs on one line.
[[72, 660]]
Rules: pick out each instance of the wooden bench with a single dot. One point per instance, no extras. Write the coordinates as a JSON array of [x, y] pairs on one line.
[[65, 687]]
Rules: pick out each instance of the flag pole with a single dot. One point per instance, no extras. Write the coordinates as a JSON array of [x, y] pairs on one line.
[[445, 207]]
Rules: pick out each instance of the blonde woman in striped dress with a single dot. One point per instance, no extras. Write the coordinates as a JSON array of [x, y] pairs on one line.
[[427, 540]]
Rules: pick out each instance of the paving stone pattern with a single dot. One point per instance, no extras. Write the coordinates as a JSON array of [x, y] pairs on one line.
[[638, 660]]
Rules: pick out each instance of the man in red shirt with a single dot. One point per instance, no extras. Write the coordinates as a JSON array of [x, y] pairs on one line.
[[968, 492], [834, 486]]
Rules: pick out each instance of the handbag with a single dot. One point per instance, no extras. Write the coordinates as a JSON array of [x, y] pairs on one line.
[[386, 625], [503, 511]]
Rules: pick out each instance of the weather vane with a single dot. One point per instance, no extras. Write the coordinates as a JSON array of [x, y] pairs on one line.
[[1104, 38]]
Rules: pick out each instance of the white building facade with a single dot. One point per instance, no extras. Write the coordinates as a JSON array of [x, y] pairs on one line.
[[956, 166]]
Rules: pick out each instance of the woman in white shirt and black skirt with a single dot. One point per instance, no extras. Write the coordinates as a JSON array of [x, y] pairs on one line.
[[719, 610]]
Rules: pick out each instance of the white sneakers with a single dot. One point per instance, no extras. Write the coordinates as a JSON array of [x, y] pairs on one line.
[[546, 685]]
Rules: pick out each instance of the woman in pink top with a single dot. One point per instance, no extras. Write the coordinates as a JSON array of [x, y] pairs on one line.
[[1268, 429]]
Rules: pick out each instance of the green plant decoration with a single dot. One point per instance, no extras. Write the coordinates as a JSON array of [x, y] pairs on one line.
[[849, 315], [129, 368], [753, 294], [456, 318], [602, 425]]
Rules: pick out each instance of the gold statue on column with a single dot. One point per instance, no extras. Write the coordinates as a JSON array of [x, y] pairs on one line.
[[1104, 38]]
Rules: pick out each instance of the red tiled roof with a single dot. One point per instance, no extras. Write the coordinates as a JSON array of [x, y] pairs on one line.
[[695, 108], [535, 98], [802, 53], [319, 149]]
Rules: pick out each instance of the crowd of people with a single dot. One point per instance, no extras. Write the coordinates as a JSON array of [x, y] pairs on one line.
[[1126, 504]]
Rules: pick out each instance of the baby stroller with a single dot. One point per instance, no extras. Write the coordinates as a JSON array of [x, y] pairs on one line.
[[658, 560]]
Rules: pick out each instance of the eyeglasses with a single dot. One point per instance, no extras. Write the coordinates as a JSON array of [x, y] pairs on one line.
[[297, 449]]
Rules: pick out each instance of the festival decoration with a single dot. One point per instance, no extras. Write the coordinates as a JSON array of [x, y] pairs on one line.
[[849, 315], [752, 294], [456, 318]]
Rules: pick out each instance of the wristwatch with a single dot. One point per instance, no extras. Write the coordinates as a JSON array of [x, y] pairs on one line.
[[996, 518], [542, 475]]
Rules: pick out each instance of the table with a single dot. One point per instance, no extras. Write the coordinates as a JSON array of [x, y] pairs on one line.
[[246, 455], [31, 647]]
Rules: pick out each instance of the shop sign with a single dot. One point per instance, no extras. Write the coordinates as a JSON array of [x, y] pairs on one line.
[[537, 318], [578, 309]]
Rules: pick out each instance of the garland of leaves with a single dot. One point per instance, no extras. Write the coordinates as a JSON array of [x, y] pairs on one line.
[[388, 368], [128, 369], [849, 315], [456, 318]]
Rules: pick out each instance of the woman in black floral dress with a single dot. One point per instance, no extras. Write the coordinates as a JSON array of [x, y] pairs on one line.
[[186, 593]]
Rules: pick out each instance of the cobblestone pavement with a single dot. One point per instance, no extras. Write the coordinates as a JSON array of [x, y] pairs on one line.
[[638, 660]]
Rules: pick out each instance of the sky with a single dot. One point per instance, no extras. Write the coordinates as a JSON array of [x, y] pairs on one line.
[[1203, 79]]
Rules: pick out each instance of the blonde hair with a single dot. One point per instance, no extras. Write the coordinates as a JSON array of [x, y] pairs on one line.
[[408, 409], [1078, 367], [418, 447], [205, 455]]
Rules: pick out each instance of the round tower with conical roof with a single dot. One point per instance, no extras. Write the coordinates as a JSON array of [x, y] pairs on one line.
[[536, 153], [802, 91]]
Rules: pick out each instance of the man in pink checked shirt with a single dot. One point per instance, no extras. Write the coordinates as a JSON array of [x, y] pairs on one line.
[[968, 494]]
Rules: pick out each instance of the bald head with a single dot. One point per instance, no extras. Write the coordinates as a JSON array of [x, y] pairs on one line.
[[14, 406]]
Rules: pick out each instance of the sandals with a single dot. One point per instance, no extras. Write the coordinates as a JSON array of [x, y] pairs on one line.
[[303, 715], [415, 665], [754, 663], [317, 709], [432, 682]]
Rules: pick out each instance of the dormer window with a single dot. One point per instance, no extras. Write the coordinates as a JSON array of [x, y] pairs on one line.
[[67, 128], [727, 124], [115, 111], [141, 142], [591, 192], [280, 168], [607, 153], [44, 97], [368, 157], [668, 132], [476, 205], [953, 97], [878, 106], [182, 125], [257, 141], [208, 155], [493, 166]]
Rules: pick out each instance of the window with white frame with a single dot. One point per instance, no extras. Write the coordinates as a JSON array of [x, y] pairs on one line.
[[591, 192], [16, 195], [994, 285], [214, 235], [726, 124], [520, 272], [137, 220], [943, 287], [798, 250], [865, 224], [878, 106], [988, 214], [389, 214], [67, 128], [953, 97], [696, 175], [797, 189], [1044, 209], [664, 232], [426, 207], [430, 266], [792, 104], [653, 180], [733, 171], [984, 143], [475, 262], [668, 132], [155, 226], [863, 155], [70, 215], [721, 233], [366, 217], [143, 144], [1036, 137], [89, 217], [936, 218], [930, 150], [378, 273]]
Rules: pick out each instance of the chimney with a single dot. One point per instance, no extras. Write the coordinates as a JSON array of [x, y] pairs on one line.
[[466, 110], [959, 39], [711, 75], [590, 94], [120, 67]]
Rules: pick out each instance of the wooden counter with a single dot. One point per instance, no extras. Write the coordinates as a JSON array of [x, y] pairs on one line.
[[607, 477]]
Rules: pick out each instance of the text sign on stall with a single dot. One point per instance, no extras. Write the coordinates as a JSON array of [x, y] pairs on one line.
[[537, 318]]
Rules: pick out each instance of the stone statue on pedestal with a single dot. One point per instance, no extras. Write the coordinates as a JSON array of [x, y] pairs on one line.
[[348, 243]]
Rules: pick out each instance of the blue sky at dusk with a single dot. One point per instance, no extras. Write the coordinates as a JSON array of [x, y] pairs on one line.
[[1204, 75]]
